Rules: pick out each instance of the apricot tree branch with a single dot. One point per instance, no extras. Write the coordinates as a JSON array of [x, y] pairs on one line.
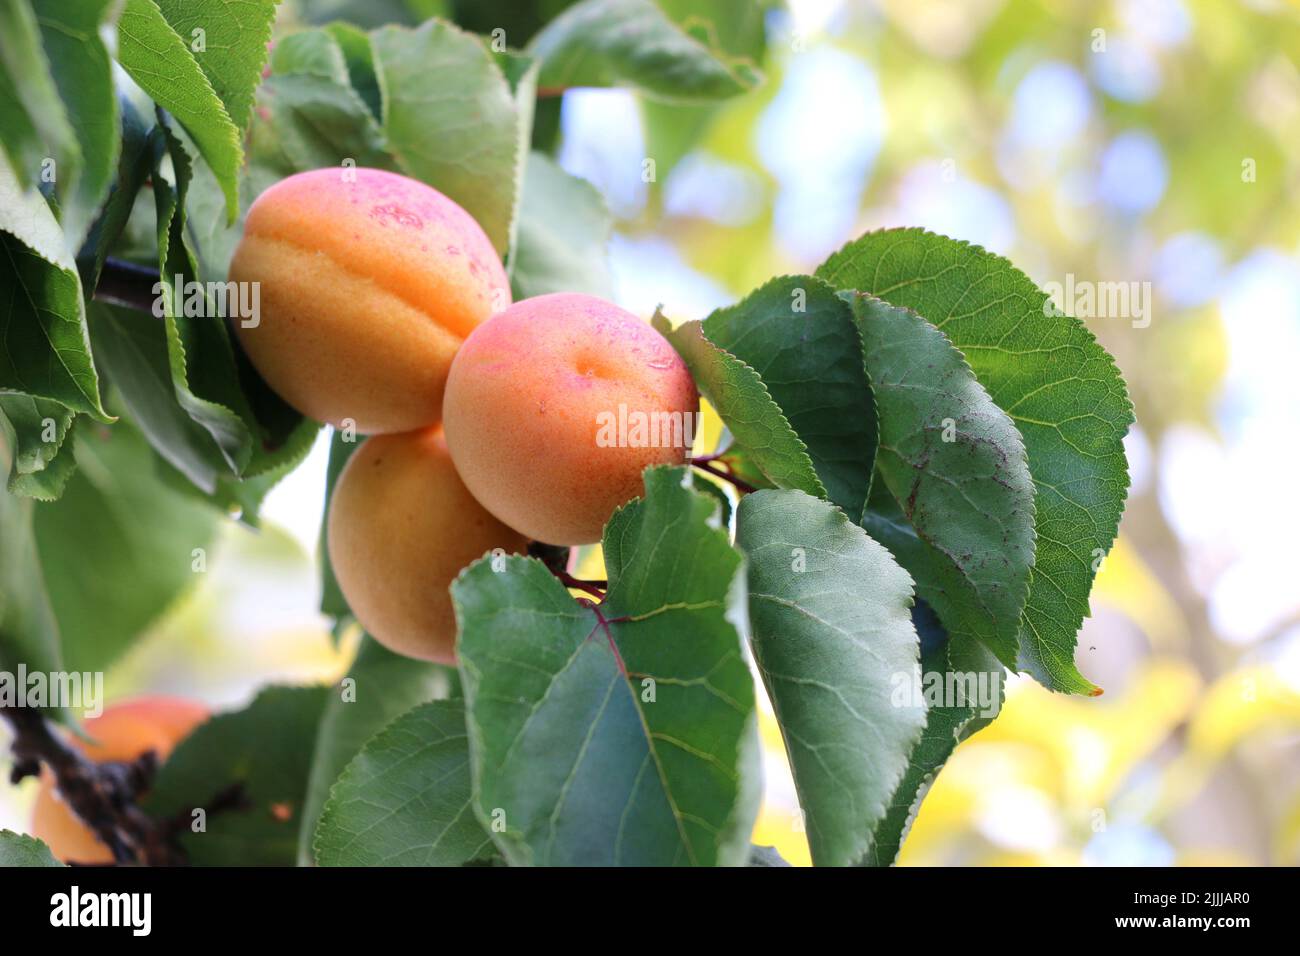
[[705, 464], [126, 284], [102, 795]]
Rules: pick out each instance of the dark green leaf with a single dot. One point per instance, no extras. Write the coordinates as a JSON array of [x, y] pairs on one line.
[[1059, 386], [34, 124], [406, 798], [44, 344], [644, 755], [29, 633], [383, 685], [955, 465], [745, 405], [37, 429]]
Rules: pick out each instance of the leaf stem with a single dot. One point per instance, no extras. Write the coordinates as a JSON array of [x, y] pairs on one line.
[[706, 464]]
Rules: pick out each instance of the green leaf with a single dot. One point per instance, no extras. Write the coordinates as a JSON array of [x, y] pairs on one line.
[[161, 63], [945, 722], [44, 345], [29, 633], [1059, 386], [118, 517], [19, 850], [799, 337], [437, 83], [635, 43], [83, 73], [406, 798], [136, 159], [642, 756], [235, 38], [200, 355], [319, 118], [564, 229], [37, 429], [266, 750], [955, 464], [832, 637], [745, 405], [383, 685], [360, 60], [34, 124]]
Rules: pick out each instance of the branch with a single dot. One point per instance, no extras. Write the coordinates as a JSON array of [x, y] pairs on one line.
[[706, 464], [102, 795], [127, 284]]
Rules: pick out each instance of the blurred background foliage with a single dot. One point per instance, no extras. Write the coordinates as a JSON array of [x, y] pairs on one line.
[[1137, 140]]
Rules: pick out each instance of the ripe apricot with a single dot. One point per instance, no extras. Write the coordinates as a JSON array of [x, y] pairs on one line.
[[368, 283], [402, 525], [555, 406], [123, 731]]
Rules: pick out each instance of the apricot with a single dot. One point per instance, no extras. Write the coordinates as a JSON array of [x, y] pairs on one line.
[[368, 283], [123, 731], [554, 408], [402, 525]]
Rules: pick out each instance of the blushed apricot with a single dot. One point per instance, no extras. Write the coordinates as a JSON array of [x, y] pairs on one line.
[[123, 731], [369, 282], [555, 406], [402, 525]]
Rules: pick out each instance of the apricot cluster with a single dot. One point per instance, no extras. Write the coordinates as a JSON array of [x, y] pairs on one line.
[[385, 308]]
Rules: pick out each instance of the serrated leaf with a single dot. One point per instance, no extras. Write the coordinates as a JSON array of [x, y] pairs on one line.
[[83, 74], [266, 749], [117, 517], [406, 798], [37, 433], [955, 464], [360, 60], [438, 82], [635, 43], [161, 63], [135, 161], [799, 336], [1059, 386], [589, 761], [383, 686], [200, 355], [319, 118], [832, 637], [946, 720], [16, 849], [235, 38], [745, 405], [34, 124], [564, 229], [44, 345]]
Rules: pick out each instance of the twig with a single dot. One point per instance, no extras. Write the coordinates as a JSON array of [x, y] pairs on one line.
[[705, 464], [127, 284], [102, 795]]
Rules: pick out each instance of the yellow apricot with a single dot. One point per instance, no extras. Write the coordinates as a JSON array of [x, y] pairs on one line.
[[554, 408], [123, 731], [402, 525], [367, 284]]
